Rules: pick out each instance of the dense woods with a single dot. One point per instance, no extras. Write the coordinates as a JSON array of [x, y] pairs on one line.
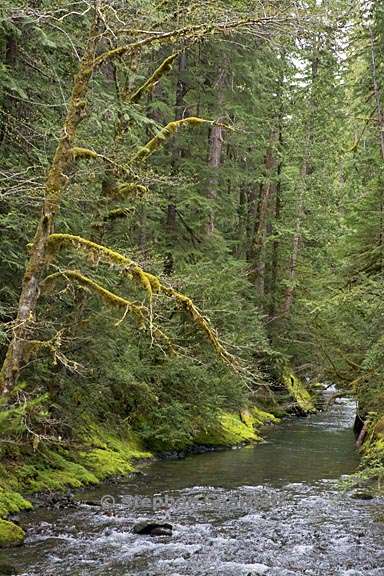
[[192, 225]]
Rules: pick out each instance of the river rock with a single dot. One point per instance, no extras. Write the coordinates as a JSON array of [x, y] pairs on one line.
[[362, 495], [153, 529]]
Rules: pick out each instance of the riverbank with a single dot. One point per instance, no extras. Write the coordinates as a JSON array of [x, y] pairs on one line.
[[100, 454]]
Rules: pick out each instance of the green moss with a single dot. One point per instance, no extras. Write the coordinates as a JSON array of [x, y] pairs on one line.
[[100, 454], [379, 428], [109, 454], [164, 67], [229, 430], [298, 392], [12, 502], [126, 442], [10, 534], [261, 417], [373, 449], [50, 470], [105, 463], [165, 133], [109, 297]]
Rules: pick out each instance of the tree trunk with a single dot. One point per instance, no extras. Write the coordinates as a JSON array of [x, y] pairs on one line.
[[253, 195], [215, 149], [306, 170], [288, 299], [54, 186], [376, 89], [242, 224], [181, 91], [258, 246], [275, 247]]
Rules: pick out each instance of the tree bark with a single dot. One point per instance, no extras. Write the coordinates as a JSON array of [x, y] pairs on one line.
[[258, 246], [55, 183], [215, 148], [377, 93], [288, 299], [275, 245], [181, 91], [242, 223]]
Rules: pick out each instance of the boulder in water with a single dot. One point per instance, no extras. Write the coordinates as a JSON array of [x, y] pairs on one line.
[[362, 495], [153, 529]]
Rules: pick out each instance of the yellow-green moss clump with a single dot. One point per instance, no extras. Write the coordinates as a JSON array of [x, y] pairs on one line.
[[298, 392], [10, 503], [232, 429], [261, 417], [51, 471], [10, 534], [109, 455]]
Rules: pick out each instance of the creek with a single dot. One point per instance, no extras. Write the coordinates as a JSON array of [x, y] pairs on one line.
[[275, 509]]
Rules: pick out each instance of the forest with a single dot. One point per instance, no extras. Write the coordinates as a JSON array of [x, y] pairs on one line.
[[192, 231]]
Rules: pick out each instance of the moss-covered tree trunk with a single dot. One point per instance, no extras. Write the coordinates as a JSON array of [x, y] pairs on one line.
[[54, 186]]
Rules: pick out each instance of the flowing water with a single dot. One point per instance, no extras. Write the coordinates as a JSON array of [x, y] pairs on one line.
[[273, 509]]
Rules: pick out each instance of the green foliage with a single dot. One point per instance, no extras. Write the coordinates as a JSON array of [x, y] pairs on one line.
[[88, 364]]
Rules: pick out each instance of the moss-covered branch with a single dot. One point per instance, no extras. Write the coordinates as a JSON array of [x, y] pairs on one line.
[[130, 268], [116, 214], [127, 189], [150, 283], [80, 152], [166, 132], [138, 310], [259, 26], [164, 67]]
